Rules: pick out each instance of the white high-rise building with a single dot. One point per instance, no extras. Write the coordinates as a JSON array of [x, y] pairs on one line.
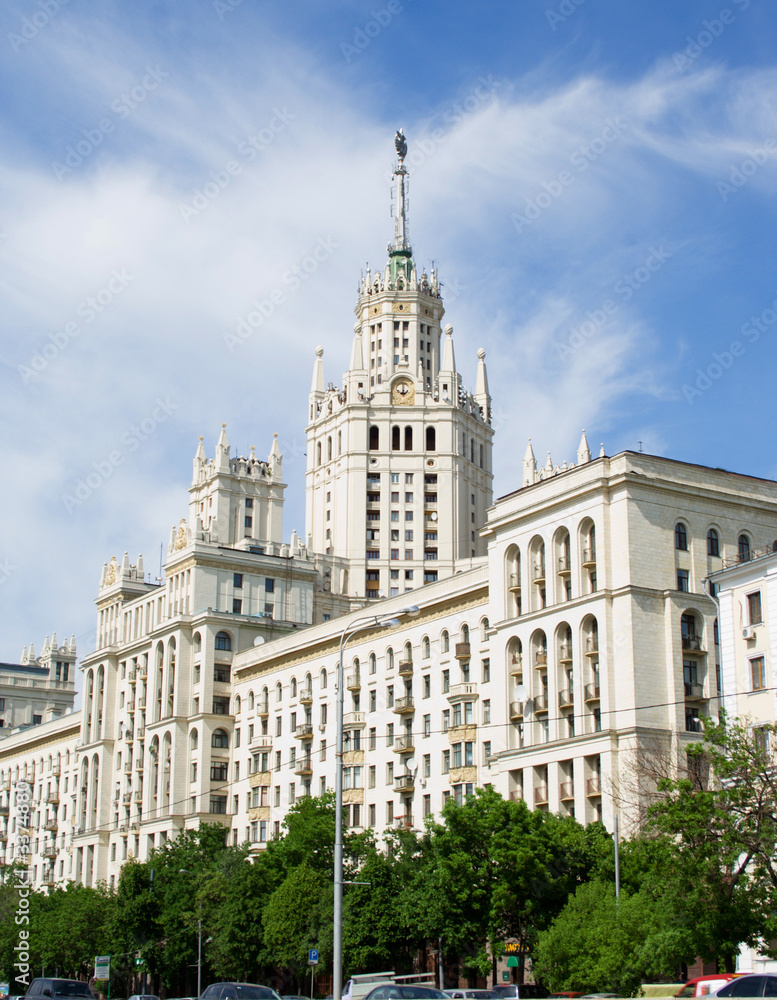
[[399, 457]]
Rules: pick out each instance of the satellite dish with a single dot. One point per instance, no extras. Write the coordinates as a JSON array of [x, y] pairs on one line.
[[520, 692], [410, 764], [259, 640]]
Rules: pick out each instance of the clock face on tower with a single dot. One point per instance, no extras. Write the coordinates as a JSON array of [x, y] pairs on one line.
[[403, 392]]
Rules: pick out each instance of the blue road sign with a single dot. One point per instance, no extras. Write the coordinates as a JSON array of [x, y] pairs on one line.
[[313, 956]]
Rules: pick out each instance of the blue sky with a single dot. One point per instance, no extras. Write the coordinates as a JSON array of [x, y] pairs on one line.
[[595, 181]]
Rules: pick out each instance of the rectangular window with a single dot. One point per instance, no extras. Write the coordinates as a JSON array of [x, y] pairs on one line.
[[221, 673], [390, 735], [221, 706], [237, 580], [371, 776], [486, 671], [395, 553], [754, 608], [408, 515], [248, 521], [390, 773], [394, 515], [390, 696], [457, 754], [427, 682], [486, 751], [427, 807], [408, 497], [218, 772], [218, 804], [682, 580], [758, 673], [487, 711], [408, 553], [446, 761], [446, 681], [427, 765], [427, 725], [373, 738], [237, 606], [469, 754], [279, 726], [269, 586], [446, 720]]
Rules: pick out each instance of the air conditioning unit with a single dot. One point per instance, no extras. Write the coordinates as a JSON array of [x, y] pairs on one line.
[[748, 632]]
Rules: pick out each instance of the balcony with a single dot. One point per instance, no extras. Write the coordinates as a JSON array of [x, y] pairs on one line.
[[589, 558], [49, 851], [139, 765], [592, 692], [142, 702], [514, 583], [566, 791], [126, 798], [516, 711], [463, 692], [566, 699], [540, 658], [141, 733], [304, 766], [131, 708], [516, 664], [404, 783], [306, 695], [129, 736], [565, 652], [131, 676], [354, 681], [403, 822], [137, 796], [56, 770], [53, 798], [541, 795], [541, 704], [592, 645], [694, 692], [261, 743], [404, 705], [304, 731], [404, 744], [564, 566], [593, 787], [142, 673], [461, 650], [51, 825], [4, 810], [538, 574], [263, 709], [354, 720], [516, 795], [49, 878], [693, 644], [405, 668]]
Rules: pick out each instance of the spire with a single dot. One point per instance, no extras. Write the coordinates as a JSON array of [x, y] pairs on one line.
[[139, 567], [401, 244], [357, 351], [73, 643], [222, 451], [482, 397], [317, 385], [24, 655], [529, 465], [448, 358], [275, 455], [583, 451], [54, 643]]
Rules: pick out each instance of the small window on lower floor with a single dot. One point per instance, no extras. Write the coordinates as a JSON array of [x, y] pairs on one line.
[[682, 580]]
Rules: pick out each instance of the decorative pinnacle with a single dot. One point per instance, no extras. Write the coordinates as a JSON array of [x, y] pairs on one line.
[[401, 244]]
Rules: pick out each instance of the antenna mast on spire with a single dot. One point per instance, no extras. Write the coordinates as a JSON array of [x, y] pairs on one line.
[[401, 244]]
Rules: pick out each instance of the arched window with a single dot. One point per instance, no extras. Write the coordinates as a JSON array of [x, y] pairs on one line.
[[329, 448], [431, 439], [250, 701], [744, 548], [373, 663], [484, 626], [713, 543], [293, 687], [197, 642], [194, 739], [472, 450], [445, 642], [426, 647], [318, 453], [465, 633], [374, 438], [680, 537], [238, 704], [279, 691], [390, 658], [481, 456], [223, 641], [323, 677], [339, 442], [220, 739], [395, 438], [408, 439]]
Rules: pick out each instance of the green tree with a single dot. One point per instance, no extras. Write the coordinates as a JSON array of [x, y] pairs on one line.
[[293, 917]]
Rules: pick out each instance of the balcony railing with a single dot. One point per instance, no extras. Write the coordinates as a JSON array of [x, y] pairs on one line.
[[540, 657], [354, 720], [564, 565], [593, 787], [263, 709], [516, 795], [565, 652], [53, 798], [566, 699], [589, 557], [404, 744], [459, 692], [516, 711], [541, 795], [694, 692], [405, 704], [592, 645], [462, 651], [404, 782], [405, 668], [538, 573], [540, 704], [306, 695], [592, 692], [304, 766], [354, 680], [304, 731], [693, 644], [514, 582], [566, 791]]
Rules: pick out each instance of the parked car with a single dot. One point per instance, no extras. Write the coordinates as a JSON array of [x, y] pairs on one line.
[[702, 986], [394, 991], [59, 988], [238, 991], [758, 985], [601, 996], [143, 996], [571, 994], [521, 991], [474, 994]]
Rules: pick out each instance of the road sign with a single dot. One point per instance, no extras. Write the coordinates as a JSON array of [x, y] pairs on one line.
[[313, 956], [102, 967]]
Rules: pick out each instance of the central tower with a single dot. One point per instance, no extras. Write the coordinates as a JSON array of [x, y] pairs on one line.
[[399, 459]]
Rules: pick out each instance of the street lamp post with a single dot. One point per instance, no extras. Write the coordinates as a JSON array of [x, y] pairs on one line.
[[361, 625], [184, 871]]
